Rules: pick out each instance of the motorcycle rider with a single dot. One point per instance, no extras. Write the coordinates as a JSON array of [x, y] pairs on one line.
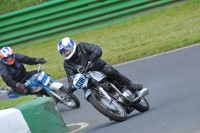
[[13, 71], [80, 55]]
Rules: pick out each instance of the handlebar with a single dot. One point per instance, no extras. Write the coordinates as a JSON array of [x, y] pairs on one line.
[[38, 70], [81, 69], [40, 66]]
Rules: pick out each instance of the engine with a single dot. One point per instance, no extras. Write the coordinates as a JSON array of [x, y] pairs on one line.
[[101, 77], [126, 93]]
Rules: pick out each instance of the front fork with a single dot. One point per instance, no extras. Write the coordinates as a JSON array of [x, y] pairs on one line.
[[97, 85], [51, 92]]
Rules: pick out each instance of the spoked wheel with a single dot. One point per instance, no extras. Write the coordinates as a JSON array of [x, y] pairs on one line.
[[112, 110], [69, 100], [142, 106]]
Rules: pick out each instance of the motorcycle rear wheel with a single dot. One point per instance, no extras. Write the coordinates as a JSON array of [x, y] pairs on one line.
[[69, 100], [142, 106], [113, 110]]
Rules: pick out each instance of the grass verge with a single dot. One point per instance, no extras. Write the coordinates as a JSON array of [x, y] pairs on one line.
[[5, 104], [13, 5], [162, 30]]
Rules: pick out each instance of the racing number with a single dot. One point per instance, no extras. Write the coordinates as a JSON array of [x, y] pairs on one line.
[[80, 82]]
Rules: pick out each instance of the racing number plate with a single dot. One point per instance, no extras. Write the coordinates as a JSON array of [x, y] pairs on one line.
[[44, 78]]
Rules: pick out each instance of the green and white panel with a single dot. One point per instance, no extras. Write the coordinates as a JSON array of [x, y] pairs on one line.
[[12, 120]]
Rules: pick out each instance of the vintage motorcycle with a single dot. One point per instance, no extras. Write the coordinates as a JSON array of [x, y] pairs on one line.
[[107, 96], [42, 85]]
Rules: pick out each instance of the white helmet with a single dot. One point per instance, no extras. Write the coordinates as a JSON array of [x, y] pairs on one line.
[[66, 44]]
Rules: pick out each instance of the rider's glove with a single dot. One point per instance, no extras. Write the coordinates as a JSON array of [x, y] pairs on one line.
[[80, 69], [25, 91], [21, 86], [93, 57], [71, 89], [41, 60]]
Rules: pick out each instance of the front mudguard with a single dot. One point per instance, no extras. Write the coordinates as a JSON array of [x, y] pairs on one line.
[[87, 94], [55, 85]]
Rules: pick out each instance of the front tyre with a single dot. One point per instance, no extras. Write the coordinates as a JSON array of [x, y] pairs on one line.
[[142, 106], [112, 110], [69, 100]]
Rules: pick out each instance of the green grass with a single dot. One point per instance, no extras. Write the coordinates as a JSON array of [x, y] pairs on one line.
[[160, 31], [13, 5], [16, 101]]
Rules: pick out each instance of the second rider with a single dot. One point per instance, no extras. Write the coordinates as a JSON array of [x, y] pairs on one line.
[[80, 55]]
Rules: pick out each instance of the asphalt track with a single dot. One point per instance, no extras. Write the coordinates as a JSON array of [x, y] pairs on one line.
[[173, 80]]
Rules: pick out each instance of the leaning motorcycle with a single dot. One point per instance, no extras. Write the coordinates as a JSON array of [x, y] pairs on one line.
[[42, 85], [107, 96]]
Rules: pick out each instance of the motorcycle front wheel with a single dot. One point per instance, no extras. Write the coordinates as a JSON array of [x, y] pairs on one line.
[[69, 100], [111, 109]]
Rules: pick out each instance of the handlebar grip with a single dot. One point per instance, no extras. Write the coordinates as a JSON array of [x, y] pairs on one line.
[[80, 69]]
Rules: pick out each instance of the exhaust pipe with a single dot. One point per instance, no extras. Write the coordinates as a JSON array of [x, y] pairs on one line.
[[140, 94]]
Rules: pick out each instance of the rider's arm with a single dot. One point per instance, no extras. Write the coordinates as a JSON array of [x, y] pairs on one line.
[[26, 60], [69, 73], [69, 77], [91, 48], [9, 80]]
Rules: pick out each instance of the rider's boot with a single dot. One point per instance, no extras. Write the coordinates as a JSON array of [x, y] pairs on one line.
[[134, 87]]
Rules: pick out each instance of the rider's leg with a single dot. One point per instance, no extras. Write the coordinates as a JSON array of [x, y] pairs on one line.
[[30, 73], [18, 91], [121, 79], [23, 80]]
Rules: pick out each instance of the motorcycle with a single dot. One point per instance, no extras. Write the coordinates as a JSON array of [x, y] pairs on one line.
[[42, 85], [113, 100]]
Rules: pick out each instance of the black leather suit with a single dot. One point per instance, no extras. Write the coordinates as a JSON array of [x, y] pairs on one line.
[[11, 74], [81, 57]]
